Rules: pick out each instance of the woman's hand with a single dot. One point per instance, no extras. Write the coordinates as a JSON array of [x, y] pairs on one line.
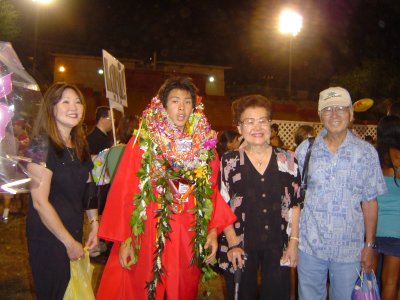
[[213, 243], [74, 250], [125, 254], [236, 257], [291, 254], [92, 238]]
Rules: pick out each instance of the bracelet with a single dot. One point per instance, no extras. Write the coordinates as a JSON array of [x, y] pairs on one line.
[[238, 245], [94, 219], [294, 238]]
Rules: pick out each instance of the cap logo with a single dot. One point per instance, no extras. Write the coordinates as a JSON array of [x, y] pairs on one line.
[[332, 94]]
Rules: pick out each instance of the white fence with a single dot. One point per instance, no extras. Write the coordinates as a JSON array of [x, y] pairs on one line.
[[288, 128]]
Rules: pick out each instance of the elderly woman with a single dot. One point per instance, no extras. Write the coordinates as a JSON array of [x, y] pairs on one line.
[[261, 184], [164, 209]]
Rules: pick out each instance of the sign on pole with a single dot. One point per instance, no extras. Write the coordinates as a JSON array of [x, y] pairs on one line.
[[114, 77]]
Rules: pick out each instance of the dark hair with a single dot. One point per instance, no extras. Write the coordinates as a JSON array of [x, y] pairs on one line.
[[369, 138], [241, 104], [224, 138], [275, 127], [394, 109], [388, 136], [125, 128], [303, 132], [46, 122], [181, 83], [102, 112]]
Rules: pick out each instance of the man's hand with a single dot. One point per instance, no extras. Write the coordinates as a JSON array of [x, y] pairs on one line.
[[367, 259], [125, 255], [213, 243]]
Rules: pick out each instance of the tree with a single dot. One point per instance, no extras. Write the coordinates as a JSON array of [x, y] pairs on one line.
[[9, 17]]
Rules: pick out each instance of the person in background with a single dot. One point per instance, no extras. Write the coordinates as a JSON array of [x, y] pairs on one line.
[[19, 127], [163, 236], [8, 146], [338, 221], [369, 139], [228, 140], [388, 228], [60, 170], [275, 139], [126, 127], [98, 138], [261, 184], [394, 109], [98, 141], [303, 132]]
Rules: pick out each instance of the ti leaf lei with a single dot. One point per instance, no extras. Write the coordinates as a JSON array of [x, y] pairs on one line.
[[164, 159]]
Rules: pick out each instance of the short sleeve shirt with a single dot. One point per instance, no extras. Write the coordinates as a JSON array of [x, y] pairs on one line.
[[261, 202], [332, 222], [67, 189], [98, 141]]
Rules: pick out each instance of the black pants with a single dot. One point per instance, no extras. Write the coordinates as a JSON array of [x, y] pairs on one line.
[[275, 280], [50, 269]]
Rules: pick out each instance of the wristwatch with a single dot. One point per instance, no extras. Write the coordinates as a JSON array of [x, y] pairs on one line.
[[371, 245]]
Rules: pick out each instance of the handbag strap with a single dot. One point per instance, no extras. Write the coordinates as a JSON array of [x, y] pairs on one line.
[[306, 162]]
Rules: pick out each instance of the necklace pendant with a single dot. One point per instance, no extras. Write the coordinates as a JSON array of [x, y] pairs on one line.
[[71, 154]]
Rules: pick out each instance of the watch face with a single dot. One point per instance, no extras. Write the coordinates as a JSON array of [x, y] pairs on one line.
[[371, 245]]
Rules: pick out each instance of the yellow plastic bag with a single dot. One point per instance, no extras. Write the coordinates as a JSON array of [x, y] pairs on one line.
[[80, 284]]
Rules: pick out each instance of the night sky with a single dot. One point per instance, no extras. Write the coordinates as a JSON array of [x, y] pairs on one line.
[[337, 36]]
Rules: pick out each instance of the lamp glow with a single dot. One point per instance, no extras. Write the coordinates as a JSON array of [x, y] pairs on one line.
[[61, 69], [43, 1], [290, 22]]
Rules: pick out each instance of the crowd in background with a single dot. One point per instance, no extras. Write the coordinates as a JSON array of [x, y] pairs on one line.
[[271, 228]]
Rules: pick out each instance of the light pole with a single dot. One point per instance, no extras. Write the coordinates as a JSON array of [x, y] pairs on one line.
[[290, 22], [36, 28]]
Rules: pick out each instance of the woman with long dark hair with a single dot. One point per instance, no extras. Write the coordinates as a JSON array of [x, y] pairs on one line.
[[60, 169], [388, 227]]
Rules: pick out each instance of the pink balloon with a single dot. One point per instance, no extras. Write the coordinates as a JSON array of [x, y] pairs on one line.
[[5, 85]]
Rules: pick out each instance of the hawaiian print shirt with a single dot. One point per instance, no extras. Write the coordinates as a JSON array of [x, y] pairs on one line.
[[261, 202], [331, 222]]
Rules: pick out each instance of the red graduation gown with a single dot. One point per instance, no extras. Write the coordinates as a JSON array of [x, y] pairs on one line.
[[180, 280]]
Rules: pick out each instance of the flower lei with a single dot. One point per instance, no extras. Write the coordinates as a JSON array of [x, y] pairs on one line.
[[170, 154]]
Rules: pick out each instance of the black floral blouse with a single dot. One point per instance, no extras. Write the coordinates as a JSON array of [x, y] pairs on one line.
[[262, 202]]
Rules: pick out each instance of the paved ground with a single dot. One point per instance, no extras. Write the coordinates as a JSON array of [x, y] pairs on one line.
[[15, 275]]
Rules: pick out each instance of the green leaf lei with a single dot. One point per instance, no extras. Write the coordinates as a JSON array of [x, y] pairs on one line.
[[161, 161]]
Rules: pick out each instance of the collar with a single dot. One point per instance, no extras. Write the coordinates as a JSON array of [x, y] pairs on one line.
[[349, 139]]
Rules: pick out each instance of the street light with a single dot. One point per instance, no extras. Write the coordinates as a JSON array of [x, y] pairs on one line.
[[290, 22], [35, 41]]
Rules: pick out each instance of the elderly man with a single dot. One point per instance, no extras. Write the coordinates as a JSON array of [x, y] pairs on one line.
[[338, 222]]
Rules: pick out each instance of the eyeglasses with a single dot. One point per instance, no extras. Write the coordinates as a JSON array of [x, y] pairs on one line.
[[340, 110], [250, 122]]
